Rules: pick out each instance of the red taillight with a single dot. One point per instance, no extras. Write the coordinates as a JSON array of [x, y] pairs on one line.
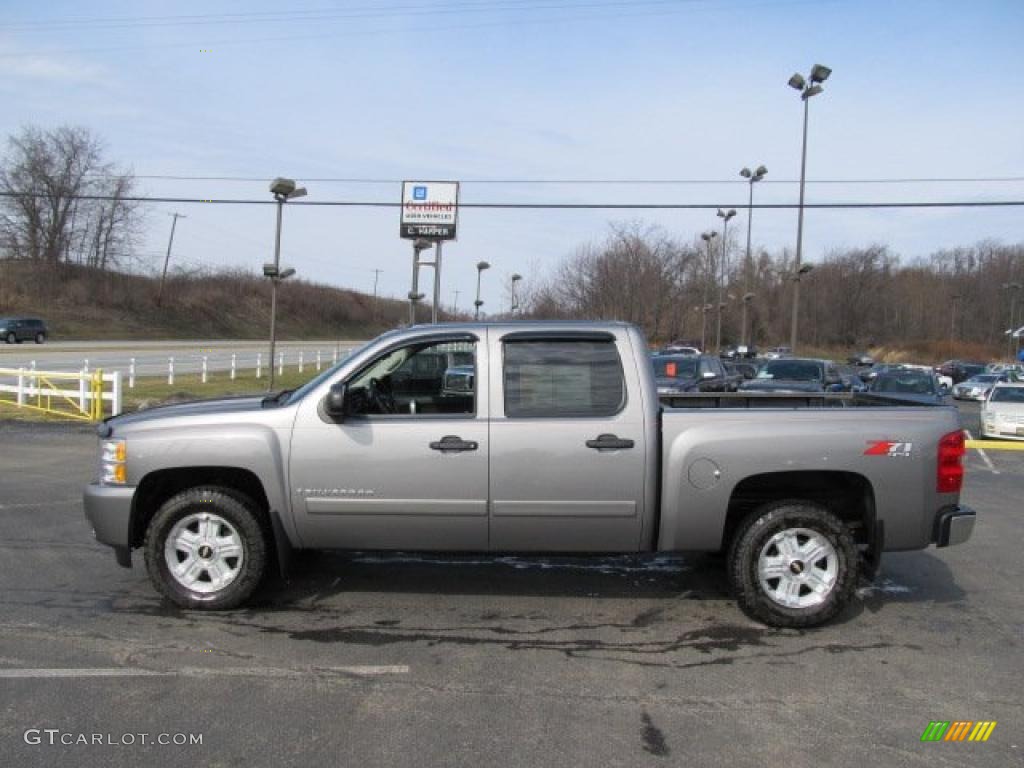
[[950, 475]]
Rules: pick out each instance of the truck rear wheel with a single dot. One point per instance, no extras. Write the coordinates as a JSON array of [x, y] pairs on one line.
[[793, 564], [205, 548]]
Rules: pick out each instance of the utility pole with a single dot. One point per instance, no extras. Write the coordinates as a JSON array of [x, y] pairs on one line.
[[455, 306], [376, 276], [167, 258]]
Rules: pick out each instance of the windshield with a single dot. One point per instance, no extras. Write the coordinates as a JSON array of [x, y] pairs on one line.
[[1007, 395], [675, 367], [792, 370], [987, 378]]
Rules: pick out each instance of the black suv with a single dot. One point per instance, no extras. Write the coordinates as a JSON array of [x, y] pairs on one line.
[[19, 329]]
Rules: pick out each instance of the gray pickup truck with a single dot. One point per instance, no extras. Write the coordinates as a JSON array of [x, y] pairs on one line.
[[556, 442]]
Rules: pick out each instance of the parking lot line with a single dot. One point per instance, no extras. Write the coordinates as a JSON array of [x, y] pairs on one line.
[[368, 670], [981, 452]]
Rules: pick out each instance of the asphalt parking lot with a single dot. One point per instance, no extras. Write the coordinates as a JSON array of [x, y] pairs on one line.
[[423, 661]]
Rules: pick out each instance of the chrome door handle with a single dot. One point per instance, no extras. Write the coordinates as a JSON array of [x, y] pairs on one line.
[[609, 443], [453, 444]]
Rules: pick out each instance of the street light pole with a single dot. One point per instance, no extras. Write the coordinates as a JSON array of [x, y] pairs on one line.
[[283, 190], [952, 323], [1013, 288], [273, 293], [724, 216], [808, 87], [752, 177], [480, 267], [707, 237]]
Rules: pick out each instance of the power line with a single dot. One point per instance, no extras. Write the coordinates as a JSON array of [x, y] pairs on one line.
[[329, 14], [550, 206], [623, 182], [601, 16]]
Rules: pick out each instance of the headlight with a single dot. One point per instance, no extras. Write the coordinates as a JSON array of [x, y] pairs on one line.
[[113, 455]]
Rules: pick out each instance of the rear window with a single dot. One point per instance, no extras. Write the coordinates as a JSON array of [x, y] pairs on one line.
[[559, 379], [675, 367]]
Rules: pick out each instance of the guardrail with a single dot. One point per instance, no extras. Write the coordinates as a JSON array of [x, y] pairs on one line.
[[41, 391]]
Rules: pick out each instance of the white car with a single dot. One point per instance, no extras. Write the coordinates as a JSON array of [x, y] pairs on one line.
[[1002, 415], [978, 387]]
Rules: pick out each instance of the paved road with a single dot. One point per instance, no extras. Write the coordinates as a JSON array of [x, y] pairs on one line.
[[421, 661], [152, 357]]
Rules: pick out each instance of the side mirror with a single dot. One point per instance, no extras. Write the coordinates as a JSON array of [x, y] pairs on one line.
[[334, 403]]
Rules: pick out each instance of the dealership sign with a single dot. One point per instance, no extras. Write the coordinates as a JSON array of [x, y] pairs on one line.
[[430, 209]]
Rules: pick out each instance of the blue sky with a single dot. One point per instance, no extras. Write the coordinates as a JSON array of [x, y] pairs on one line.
[[530, 89]]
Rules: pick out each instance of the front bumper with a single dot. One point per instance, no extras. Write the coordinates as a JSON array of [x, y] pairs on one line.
[[953, 525], [108, 508]]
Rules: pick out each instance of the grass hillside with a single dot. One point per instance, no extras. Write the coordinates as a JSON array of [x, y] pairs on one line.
[[83, 303]]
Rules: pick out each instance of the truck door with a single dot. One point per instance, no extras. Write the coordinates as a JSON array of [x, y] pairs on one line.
[[408, 469], [567, 445]]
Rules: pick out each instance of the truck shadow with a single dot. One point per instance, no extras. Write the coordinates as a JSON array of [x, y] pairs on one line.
[[905, 578], [326, 573]]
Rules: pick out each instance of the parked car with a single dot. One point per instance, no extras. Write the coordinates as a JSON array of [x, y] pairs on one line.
[[868, 374], [675, 348], [1002, 415], [738, 352], [852, 382], [958, 371], [909, 386], [795, 375], [777, 353], [565, 448], [689, 373], [733, 378], [977, 387], [746, 370], [861, 359], [19, 329]]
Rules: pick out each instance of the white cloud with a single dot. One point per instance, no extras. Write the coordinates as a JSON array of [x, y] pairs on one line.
[[21, 66]]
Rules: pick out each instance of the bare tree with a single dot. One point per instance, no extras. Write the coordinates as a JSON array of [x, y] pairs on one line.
[[61, 202]]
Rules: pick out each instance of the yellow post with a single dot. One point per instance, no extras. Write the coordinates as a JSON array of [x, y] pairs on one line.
[[97, 395]]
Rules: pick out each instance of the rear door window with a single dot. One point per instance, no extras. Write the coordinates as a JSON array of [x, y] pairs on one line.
[[563, 379]]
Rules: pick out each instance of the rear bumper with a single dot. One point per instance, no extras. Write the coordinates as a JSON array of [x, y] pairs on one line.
[[953, 525], [109, 510]]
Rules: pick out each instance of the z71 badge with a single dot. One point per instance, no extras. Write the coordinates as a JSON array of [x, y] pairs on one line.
[[889, 448]]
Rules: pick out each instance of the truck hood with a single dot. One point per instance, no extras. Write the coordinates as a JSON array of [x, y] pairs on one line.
[[194, 408], [780, 385]]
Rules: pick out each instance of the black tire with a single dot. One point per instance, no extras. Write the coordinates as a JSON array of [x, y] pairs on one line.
[[11, 338], [237, 510], [40, 338], [752, 538]]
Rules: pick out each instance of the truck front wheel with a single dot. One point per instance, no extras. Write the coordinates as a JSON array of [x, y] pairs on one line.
[[205, 548], [793, 564]]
